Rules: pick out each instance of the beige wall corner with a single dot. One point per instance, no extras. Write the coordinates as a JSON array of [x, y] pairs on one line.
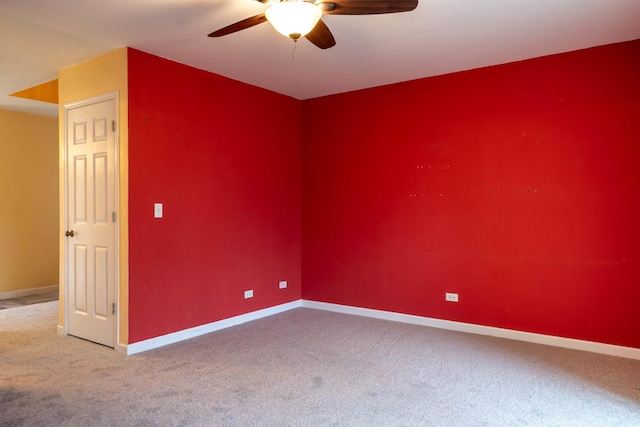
[[107, 73], [29, 201]]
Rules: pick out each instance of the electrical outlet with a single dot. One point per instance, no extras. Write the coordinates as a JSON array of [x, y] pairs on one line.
[[282, 284], [248, 294], [451, 297]]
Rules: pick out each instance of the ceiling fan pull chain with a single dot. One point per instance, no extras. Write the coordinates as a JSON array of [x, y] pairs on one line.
[[293, 50]]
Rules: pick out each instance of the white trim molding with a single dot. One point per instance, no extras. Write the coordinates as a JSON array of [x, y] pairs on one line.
[[28, 292], [594, 347], [570, 343], [151, 343]]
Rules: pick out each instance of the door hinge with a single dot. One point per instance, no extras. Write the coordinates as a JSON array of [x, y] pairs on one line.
[[113, 125], [113, 308], [113, 216]]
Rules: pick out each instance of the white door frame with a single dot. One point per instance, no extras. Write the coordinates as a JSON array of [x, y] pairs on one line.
[[69, 106]]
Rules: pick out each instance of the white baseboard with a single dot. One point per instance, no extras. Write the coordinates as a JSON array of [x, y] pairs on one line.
[[121, 349], [594, 347], [27, 292], [185, 334], [574, 344]]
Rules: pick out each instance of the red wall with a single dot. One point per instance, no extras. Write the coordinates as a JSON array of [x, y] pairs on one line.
[[224, 158], [516, 186]]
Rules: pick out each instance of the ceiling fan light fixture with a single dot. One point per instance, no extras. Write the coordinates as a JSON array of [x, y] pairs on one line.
[[293, 19]]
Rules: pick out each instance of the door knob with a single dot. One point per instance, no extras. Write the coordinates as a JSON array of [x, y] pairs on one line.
[[69, 233]]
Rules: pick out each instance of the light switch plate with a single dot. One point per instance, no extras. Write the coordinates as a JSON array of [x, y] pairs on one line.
[[157, 210]]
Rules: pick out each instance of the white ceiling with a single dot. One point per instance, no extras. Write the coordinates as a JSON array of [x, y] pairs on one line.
[[39, 37]]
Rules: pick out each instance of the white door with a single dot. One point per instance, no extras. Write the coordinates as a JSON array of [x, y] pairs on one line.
[[91, 220]]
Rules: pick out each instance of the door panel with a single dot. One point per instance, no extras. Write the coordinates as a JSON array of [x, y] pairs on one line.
[[101, 281], [80, 189], [91, 249], [80, 278], [100, 191]]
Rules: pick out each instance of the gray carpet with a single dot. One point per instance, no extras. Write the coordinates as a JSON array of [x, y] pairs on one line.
[[306, 368]]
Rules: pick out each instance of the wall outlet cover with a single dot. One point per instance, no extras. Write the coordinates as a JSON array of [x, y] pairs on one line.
[[451, 297]]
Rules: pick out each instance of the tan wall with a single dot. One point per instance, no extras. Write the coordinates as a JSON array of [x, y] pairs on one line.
[[101, 75], [28, 201]]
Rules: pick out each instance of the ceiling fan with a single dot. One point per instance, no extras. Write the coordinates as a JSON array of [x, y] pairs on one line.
[[301, 18]]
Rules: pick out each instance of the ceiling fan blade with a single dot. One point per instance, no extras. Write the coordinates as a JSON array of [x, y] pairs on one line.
[[321, 36], [240, 25], [367, 7]]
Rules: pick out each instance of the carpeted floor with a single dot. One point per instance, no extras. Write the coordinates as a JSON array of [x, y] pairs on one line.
[[305, 368]]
